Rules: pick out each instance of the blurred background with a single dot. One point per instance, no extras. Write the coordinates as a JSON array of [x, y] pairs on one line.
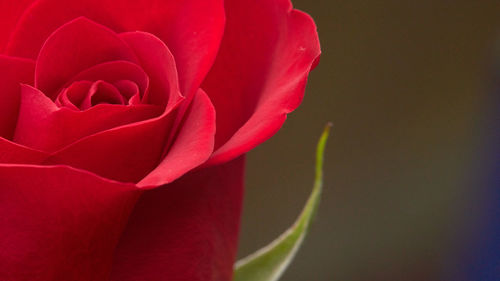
[[408, 86]]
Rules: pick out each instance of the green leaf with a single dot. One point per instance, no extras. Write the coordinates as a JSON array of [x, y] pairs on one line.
[[269, 263]]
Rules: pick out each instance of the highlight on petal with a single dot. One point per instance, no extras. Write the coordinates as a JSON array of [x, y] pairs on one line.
[[264, 72], [13, 72], [59, 223], [187, 230], [74, 47], [35, 108]]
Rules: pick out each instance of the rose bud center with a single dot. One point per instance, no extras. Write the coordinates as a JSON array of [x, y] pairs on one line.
[[82, 95]]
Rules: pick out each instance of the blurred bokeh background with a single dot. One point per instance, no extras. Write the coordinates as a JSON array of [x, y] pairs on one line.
[[407, 85]]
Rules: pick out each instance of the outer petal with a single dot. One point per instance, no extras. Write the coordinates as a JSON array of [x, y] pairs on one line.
[[126, 153], [260, 74], [74, 47], [14, 153], [10, 12], [192, 29], [185, 231], [193, 144], [13, 71], [59, 223]]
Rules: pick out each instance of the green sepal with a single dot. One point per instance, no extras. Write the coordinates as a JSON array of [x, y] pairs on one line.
[[269, 263]]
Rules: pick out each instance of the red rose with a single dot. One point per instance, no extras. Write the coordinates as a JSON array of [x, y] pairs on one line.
[[103, 101]]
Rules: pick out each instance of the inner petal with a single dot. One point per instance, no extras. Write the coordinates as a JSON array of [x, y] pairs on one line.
[[74, 47], [102, 92], [122, 74], [129, 90], [73, 96]]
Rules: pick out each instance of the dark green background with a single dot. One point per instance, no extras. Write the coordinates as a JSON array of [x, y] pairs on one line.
[[404, 83]]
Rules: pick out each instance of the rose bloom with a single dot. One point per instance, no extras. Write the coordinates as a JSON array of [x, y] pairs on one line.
[[123, 129]]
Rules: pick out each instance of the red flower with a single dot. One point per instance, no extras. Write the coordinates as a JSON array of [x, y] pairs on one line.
[[103, 101]]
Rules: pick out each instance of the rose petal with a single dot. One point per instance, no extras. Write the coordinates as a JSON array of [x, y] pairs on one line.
[[156, 59], [73, 47], [193, 144], [102, 92], [13, 71], [113, 72], [10, 12], [130, 152], [44, 126], [13, 153], [59, 223], [186, 230], [73, 96], [128, 89], [260, 74], [126, 153], [192, 29]]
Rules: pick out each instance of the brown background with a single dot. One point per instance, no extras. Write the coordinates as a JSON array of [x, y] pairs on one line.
[[404, 83]]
